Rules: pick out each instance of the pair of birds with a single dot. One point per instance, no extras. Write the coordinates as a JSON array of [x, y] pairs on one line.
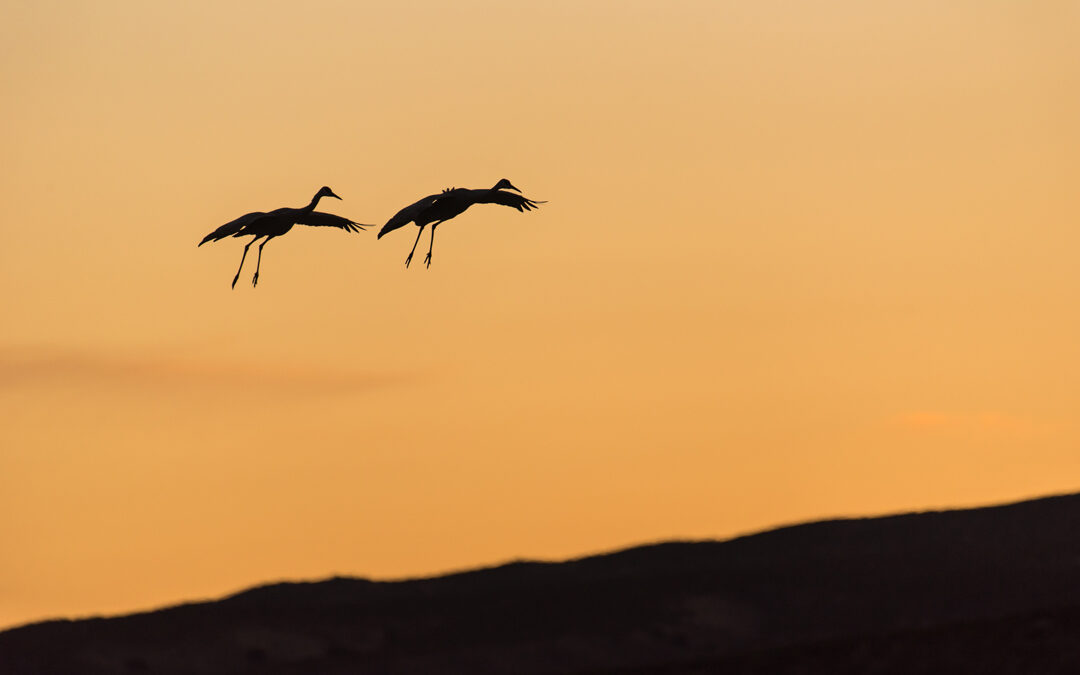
[[431, 210]]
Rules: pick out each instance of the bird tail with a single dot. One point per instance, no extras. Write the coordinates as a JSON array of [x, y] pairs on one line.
[[211, 237], [218, 234], [392, 225], [234, 228], [226, 230]]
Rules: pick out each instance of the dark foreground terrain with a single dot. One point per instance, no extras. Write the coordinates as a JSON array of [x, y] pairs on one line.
[[992, 590]]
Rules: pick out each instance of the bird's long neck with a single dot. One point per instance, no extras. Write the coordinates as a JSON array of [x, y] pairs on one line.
[[314, 202]]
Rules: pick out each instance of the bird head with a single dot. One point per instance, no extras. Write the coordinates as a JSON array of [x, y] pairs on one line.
[[326, 192], [504, 184]]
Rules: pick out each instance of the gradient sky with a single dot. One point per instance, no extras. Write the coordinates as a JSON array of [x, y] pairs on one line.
[[799, 259]]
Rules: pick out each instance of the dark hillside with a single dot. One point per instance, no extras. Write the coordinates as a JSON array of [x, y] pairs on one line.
[[982, 590]]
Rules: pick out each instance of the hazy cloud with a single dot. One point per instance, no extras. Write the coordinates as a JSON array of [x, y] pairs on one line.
[[22, 367]]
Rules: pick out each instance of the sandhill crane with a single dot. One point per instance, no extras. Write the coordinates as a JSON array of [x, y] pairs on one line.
[[435, 209], [276, 223]]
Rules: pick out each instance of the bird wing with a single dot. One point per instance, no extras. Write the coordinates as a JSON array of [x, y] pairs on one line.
[[233, 228], [320, 219], [407, 214], [505, 198]]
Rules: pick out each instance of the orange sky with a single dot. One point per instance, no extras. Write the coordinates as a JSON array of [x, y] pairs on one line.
[[798, 260]]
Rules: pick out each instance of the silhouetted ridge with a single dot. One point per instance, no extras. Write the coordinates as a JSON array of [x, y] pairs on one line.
[[819, 593]]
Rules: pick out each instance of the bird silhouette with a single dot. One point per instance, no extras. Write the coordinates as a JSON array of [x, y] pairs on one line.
[[276, 223], [437, 208]]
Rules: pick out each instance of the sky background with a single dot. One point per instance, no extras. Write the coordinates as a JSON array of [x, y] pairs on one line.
[[799, 260]]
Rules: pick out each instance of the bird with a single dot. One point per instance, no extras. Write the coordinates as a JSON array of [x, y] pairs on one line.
[[437, 208], [276, 223]]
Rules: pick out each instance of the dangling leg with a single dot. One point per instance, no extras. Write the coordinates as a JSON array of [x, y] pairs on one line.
[[409, 259], [242, 260], [255, 279], [427, 260]]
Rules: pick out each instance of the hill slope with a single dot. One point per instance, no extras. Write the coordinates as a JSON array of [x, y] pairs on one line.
[[982, 590]]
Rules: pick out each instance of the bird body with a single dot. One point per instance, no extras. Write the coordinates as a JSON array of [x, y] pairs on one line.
[[437, 208], [276, 223]]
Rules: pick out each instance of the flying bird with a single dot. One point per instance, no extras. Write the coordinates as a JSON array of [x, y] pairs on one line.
[[435, 209], [276, 223]]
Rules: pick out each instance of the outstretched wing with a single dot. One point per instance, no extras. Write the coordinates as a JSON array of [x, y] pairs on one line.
[[320, 219], [505, 198], [233, 228], [407, 214]]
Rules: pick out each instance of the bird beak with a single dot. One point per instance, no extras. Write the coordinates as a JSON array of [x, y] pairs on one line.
[[335, 196], [511, 187]]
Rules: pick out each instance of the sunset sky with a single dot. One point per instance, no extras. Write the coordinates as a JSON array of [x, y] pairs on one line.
[[798, 260]]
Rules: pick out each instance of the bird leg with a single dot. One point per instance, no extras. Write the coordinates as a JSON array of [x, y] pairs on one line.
[[409, 259], [255, 279], [242, 261], [427, 260]]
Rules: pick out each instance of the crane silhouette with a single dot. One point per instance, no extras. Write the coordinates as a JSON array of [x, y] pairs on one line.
[[437, 208], [276, 223]]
